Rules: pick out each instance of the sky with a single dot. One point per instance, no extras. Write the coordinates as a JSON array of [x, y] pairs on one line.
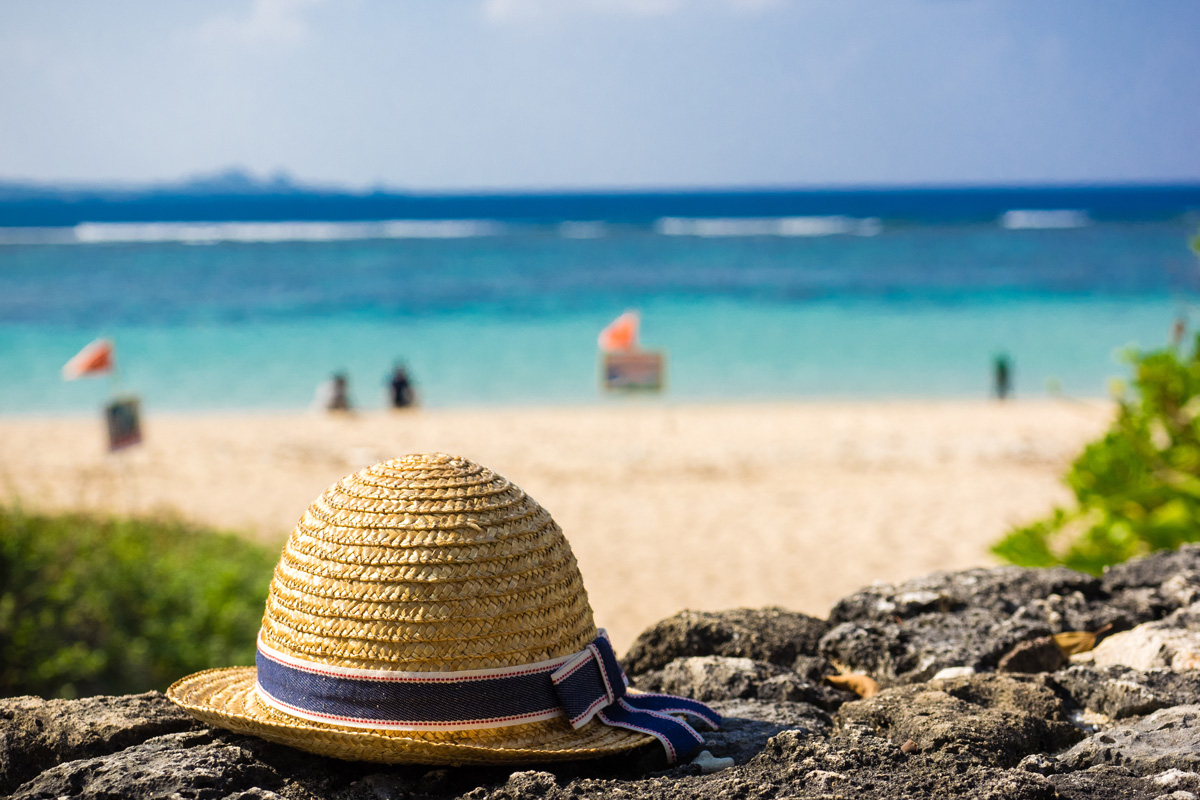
[[458, 95]]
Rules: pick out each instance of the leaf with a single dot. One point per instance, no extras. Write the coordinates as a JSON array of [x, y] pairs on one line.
[[862, 685], [1072, 642]]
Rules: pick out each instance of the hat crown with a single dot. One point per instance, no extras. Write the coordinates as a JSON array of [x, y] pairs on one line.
[[427, 563]]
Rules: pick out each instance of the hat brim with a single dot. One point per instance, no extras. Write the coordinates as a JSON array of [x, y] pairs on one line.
[[227, 698]]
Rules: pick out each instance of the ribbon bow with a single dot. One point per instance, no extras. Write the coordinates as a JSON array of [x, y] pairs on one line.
[[592, 684]]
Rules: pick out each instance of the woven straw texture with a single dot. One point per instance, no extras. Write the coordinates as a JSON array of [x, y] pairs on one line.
[[426, 563]]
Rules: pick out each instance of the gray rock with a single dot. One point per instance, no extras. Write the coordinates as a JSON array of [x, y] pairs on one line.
[[1167, 739], [814, 669], [1177, 780], [708, 678], [1118, 691], [1034, 655], [1151, 587], [1001, 590], [908, 632], [749, 724], [1100, 783], [529, 784], [856, 763], [985, 736], [992, 719], [770, 634], [37, 734], [1173, 643], [193, 764], [799, 765]]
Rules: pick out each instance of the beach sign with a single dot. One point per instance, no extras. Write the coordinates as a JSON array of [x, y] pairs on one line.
[[123, 418], [624, 365], [636, 370], [95, 359]]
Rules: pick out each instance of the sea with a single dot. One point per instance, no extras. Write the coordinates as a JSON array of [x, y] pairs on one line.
[[250, 300]]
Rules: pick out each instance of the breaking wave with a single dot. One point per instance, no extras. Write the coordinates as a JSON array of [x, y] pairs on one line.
[[1025, 219], [767, 226], [249, 232]]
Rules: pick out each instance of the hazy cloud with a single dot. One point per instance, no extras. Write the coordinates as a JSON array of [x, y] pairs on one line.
[[508, 10], [265, 22]]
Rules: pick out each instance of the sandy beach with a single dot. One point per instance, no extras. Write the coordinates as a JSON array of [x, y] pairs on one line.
[[666, 506]]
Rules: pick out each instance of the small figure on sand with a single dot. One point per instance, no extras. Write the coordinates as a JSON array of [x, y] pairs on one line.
[[333, 395], [1003, 376], [400, 390], [1178, 329]]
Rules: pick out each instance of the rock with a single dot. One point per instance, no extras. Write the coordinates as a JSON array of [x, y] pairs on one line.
[[999, 590], [981, 735], [1173, 642], [194, 764], [1035, 655], [708, 678], [37, 734], [813, 669], [910, 631], [1167, 739], [1151, 587], [749, 724], [993, 719], [1104, 782], [528, 785], [953, 672], [709, 763], [774, 635], [1118, 691], [856, 763], [1176, 780]]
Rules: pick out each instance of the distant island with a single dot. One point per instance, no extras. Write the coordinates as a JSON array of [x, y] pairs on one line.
[[230, 181], [237, 195]]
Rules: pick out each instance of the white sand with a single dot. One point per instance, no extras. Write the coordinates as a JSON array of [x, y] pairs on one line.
[[666, 507]]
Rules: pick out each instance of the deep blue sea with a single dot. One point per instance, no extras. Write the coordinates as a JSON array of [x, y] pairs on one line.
[[232, 302]]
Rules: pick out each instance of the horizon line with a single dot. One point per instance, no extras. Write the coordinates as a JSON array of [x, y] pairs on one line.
[[275, 187]]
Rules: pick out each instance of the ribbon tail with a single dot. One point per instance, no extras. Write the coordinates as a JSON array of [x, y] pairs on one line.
[[678, 738], [670, 704]]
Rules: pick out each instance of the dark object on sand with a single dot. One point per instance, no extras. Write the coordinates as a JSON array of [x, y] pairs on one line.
[[1003, 377], [401, 390], [333, 394]]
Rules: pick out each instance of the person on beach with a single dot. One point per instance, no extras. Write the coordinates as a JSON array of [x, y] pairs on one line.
[[333, 395], [1178, 329], [1003, 377], [400, 389]]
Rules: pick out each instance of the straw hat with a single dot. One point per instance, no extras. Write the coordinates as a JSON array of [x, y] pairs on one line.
[[407, 575]]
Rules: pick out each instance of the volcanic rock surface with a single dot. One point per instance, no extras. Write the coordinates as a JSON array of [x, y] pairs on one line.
[[1120, 721]]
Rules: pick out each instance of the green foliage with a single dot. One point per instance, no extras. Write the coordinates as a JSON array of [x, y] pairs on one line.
[[1138, 488], [92, 605]]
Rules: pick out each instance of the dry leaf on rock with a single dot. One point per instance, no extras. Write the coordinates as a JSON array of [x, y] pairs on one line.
[[1073, 642], [862, 685]]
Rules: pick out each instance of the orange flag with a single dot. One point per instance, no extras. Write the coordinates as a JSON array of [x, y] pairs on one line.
[[94, 359], [621, 333]]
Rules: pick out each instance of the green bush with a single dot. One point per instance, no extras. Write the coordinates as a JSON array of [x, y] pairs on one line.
[[92, 605], [1138, 488]]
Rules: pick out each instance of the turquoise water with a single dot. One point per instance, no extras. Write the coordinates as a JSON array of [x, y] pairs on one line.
[[509, 315]]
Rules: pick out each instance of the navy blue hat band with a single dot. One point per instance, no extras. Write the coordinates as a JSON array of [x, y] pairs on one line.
[[587, 685]]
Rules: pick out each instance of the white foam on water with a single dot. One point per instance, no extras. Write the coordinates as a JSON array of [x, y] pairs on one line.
[[260, 232], [1037, 219], [767, 226]]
